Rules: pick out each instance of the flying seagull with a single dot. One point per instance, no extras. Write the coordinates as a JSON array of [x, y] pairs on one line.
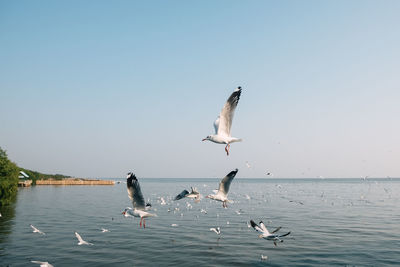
[[81, 241], [266, 234], [223, 123], [43, 263], [135, 194], [35, 230], [216, 230], [223, 189], [193, 194]]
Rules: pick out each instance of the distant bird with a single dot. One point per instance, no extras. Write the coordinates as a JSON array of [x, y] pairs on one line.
[[223, 190], [103, 230], [266, 234], [193, 194], [162, 201], [264, 258], [35, 230], [81, 241], [174, 225], [135, 194], [248, 164], [223, 123], [43, 263], [203, 211], [216, 230]]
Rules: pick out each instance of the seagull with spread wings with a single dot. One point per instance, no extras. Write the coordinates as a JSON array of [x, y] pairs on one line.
[[135, 194], [35, 230], [223, 123], [193, 194], [222, 193], [81, 241], [264, 233]]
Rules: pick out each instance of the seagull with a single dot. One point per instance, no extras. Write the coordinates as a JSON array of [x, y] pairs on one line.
[[266, 234], [248, 164], [162, 201], [81, 241], [103, 230], [193, 194], [216, 230], [222, 193], [264, 258], [223, 123], [43, 263], [35, 230], [135, 194]]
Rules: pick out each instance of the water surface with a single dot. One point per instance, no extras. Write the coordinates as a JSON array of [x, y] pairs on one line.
[[333, 222]]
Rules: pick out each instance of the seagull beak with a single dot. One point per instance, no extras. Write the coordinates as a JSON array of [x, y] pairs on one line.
[[260, 236], [204, 139]]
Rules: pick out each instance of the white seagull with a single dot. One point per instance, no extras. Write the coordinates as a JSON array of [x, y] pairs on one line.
[[81, 241], [216, 230], [193, 194], [35, 230], [103, 230], [135, 194], [266, 234], [43, 263], [223, 190], [223, 123]]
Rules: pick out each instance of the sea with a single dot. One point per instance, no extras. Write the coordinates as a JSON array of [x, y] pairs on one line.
[[332, 222]]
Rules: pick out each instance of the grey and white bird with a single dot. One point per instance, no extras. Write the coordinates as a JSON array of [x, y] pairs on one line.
[[193, 194], [264, 233], [135, 194], [223, 123], [222, 193], [103, 230], [81, 241], [43, 263], [35, 230], [216, 230]]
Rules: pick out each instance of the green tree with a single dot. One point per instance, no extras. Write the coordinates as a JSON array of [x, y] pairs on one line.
[[8, 179]]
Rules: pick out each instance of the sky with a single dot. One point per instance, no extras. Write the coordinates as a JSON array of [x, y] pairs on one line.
[[100, 88]]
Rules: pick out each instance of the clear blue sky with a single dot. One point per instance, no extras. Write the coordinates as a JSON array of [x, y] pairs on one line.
[[100, 88]]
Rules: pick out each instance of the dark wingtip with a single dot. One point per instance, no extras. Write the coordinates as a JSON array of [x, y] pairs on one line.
[[253, 224]]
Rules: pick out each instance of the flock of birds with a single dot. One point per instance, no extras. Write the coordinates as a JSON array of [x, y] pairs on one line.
[[222, 135]]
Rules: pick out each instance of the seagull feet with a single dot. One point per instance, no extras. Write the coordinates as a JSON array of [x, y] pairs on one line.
[[227, 149], [144, 223], [140, 222]]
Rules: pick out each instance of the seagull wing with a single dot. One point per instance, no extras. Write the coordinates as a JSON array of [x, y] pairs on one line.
[[288, 233], [276, 230], [79, 237], [226, 182], [256, 227], [183, 194], [226, 115], [134, 192], [263, 227]]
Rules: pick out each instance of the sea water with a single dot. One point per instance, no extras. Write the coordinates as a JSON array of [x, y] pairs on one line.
[[333, 222]]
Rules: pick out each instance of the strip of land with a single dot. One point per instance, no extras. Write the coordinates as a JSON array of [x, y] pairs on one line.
[[74, 181]]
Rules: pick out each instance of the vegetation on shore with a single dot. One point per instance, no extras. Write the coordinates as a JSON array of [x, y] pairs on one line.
[[9, 172], [8, 179]]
